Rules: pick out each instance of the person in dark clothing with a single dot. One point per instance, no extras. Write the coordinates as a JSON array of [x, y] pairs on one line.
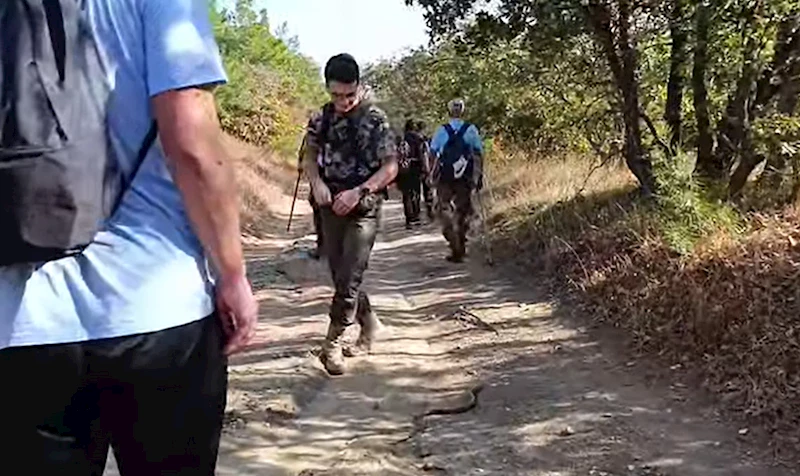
[[359, 160], [427, 179], [320, 250], [412, 171]]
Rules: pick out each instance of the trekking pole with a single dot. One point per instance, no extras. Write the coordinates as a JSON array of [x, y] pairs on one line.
[[294, 200]]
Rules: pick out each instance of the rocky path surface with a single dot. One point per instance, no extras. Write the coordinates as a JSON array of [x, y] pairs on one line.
[[475, 375]]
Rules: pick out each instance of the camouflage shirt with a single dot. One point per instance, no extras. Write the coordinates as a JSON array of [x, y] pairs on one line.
[[356, 146]]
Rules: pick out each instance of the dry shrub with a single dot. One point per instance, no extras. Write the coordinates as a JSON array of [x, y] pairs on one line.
[[728, 310]]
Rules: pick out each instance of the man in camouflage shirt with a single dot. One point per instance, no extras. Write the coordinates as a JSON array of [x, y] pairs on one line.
[[359, 160]]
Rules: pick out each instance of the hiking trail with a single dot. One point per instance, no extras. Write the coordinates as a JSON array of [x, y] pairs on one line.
[[474, 375]]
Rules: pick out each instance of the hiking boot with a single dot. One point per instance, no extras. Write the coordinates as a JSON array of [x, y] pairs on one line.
[[370, 328], [457, 251], [455, 258], [368, 335], [332, 357]]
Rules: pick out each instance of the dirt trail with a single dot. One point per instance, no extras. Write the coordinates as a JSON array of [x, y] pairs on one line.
[[553, 400]]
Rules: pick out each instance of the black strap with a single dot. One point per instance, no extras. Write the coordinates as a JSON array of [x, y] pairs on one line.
[[147, 143], [464, 128], [450, 131], [149, 140], [325, 124]]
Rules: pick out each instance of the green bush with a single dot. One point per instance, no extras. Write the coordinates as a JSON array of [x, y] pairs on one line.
[[686, 210], [272, 87]]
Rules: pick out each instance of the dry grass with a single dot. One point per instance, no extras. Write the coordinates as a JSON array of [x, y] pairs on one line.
[[727, 309], [266, 184], [520, 182], [537, 203]]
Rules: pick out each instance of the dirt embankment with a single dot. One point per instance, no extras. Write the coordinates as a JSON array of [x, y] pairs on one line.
[[266, 182], [723, 317]]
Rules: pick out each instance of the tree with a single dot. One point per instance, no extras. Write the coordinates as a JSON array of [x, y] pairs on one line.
[[555, 26], [704, 164], [272, 88], [679, 35]]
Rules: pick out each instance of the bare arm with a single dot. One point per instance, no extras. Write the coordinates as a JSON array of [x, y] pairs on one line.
[[383, 177], [193, 143], [478, 164], [310, 166]]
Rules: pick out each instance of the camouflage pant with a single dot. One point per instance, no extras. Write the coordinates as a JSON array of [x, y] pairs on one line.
[[348, 246], [455, 212], [317, 222]]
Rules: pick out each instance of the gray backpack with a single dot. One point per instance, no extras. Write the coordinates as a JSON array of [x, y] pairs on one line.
[[59, 181]]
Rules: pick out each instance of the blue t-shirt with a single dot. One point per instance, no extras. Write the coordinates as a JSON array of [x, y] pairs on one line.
[[471, 137], [146, 271]]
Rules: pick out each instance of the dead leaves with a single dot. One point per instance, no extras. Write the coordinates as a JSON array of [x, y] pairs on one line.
[[730, 309]]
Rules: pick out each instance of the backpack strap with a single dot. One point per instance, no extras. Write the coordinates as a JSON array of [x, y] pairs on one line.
[[325, 123], [450, 131], [147, 143], [463, 130]]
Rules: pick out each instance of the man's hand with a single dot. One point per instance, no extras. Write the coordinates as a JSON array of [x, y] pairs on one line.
[[346, 201], [322, 194], [238, 311]]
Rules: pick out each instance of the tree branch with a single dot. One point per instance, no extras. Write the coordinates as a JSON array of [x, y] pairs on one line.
[[656, 137]]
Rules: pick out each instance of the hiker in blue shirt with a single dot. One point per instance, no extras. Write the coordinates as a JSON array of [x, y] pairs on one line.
[[457, 172], [126, 343]]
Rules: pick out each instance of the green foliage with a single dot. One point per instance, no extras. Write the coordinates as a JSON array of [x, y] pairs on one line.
[[510, 92], [272, 88], [687, 211], [778, 134]]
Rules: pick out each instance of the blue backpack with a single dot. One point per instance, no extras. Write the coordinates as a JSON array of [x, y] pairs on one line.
[[456, 162]]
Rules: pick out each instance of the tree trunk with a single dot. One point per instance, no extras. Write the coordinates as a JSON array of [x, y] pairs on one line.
[[748, 162], [673, 111], [621, 56], [779, 78], [734, 125], [705, 165], [778, 169], [789, 93], [787, 50]]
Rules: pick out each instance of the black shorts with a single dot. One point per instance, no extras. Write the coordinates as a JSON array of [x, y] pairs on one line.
[[157, 399]]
